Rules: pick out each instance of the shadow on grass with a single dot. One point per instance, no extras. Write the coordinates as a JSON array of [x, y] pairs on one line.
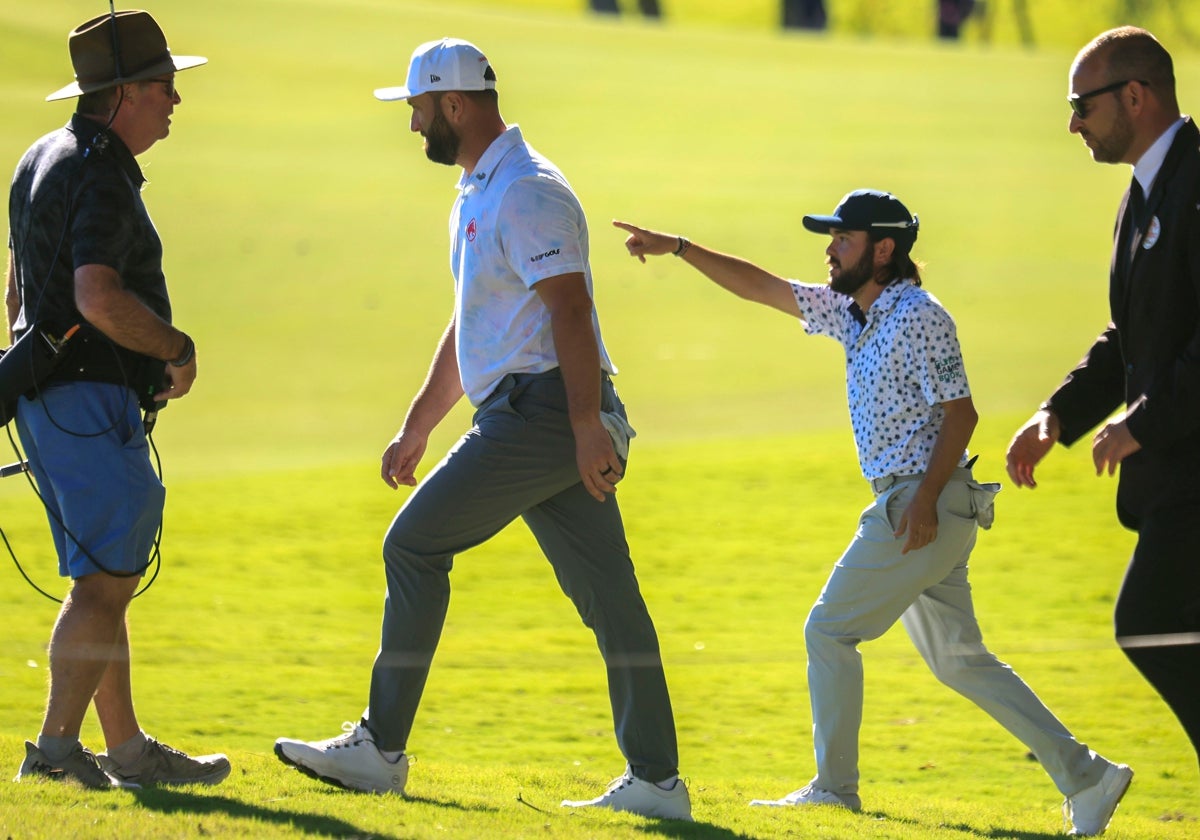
[[1007, 834], [168, 801], [449, 803], [677, 828], [972, 830]]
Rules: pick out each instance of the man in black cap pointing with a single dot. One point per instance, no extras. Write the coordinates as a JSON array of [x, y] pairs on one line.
[[85, 273], [912, 415]]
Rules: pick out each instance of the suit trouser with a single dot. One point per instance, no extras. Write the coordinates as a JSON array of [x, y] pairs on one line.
[[1157, 614], [871, 586], [519, 460]]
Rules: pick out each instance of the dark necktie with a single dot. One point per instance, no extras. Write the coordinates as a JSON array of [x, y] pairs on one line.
[[1135, 209], [1137, 203]]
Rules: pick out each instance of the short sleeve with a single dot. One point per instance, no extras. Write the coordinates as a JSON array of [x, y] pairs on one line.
[[542, 229], [936, 353], [822, 310], [102, 221]]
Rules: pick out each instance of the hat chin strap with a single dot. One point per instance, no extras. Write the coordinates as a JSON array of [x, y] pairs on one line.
[[112, 12], [120, 101]]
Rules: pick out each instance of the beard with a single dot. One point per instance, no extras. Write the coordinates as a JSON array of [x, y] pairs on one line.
[[441, 143], [1112, 147], [850, 280]]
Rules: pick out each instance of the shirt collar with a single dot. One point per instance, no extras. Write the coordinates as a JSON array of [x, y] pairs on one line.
[[99, 139], [490, 160], [887, 299], [1146, 169]]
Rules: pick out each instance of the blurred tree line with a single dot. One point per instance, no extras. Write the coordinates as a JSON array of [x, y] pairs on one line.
[[1044, 23]]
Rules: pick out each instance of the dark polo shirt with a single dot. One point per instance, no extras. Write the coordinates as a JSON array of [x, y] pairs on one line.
[[76, 200]]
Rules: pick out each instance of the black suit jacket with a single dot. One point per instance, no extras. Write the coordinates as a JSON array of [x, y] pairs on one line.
[[1149, 357]]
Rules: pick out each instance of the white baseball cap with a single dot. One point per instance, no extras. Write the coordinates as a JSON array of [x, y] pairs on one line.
[[448, 64]]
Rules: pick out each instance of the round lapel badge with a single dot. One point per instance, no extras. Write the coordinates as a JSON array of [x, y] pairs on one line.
[[1152, 234]]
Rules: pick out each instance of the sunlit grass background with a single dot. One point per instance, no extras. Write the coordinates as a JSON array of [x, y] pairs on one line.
[[305, 248]]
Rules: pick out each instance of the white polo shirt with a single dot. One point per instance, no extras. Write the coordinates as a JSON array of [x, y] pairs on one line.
[[516, 221], [900, 366]]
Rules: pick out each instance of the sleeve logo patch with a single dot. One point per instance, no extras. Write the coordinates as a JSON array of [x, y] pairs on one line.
[[541, 257], [948, 369]]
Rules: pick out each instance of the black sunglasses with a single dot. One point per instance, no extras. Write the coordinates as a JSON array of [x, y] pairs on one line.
[[1078, 101], [169, 84]]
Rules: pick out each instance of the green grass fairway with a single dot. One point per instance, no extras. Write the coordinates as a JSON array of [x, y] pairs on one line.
[[305, 238]]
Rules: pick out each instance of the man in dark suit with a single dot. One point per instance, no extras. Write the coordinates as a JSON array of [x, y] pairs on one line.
[[1147, 362]]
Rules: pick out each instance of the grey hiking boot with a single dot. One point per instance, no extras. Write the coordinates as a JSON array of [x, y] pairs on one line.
[[80, 766], [162, 765]]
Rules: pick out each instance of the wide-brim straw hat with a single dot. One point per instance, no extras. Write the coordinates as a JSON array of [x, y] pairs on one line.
[[141, 49]]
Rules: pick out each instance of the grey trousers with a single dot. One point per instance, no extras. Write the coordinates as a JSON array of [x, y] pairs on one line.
[[872, 586], [519, 460]]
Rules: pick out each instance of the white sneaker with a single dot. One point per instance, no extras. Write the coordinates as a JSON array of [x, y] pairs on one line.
[[351, 761], [810, 794], [1091, 809], [628, 793]]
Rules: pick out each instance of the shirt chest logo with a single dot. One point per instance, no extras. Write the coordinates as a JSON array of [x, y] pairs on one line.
[[472, 230]]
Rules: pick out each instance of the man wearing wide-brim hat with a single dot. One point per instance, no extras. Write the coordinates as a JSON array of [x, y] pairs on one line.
[[85, 276]]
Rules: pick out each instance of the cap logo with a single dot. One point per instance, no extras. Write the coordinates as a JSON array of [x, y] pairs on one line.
[[434, 77]]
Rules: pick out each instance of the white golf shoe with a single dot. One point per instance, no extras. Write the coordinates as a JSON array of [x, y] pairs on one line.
[[636, 796], [350, 760], [1092, 808], [810, 794]]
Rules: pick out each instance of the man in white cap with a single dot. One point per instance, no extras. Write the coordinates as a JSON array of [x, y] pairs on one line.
[[549, 444], [85, 274], [913, 416]]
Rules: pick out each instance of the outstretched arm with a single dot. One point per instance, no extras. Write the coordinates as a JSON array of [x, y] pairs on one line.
[[735, 274]]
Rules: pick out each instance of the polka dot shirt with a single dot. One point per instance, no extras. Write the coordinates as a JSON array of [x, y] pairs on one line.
[[901, 365]]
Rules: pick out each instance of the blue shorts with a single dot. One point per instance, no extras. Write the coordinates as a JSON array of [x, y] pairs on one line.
[[86, 447]]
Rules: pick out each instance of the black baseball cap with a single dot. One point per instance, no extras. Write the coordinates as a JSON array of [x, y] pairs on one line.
[[879, 212]]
